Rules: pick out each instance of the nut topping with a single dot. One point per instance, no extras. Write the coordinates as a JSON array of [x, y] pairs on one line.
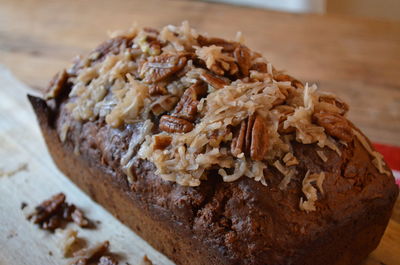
[[187, 106], [157, 89], [259, 139], [160, 67], [252, 138], [162, 141], [173, 124], [56, 85], [213, 80], [335, 125], [243, 58]]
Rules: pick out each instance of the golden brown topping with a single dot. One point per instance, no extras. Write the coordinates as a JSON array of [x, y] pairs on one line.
[[259, 139], [290, 160], [217, 61], [160, 67], [252, 138], [187, 106], [163, 104], [162, 141], [227, 46], [330, 103], [214, 81], [243, 58], [283, 77], [175, 125], [335, 125], [237, 145], [260, 67], [56, 85], [157, 89], [284, 111]]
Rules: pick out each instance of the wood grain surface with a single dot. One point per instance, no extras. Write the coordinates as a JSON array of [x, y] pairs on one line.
[[358, 59]]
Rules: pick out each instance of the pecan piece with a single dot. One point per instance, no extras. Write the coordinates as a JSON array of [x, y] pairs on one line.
[[56, 85], [85, 256], [47, 209], [335, 125], [238, 141], [252, 138], [259, 139], [187, 106], [157, 89], [243, 58], [284, 111], [214, 81], [160, 67], [341, 106], [259, 67], [162, 141], [173, 124], [294, 82], [226, 45], [79, 218]]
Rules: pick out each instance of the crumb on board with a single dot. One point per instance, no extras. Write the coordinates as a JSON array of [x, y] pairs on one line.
[[9, 173]]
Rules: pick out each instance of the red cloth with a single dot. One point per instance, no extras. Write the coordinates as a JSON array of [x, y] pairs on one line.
[[392, 157]]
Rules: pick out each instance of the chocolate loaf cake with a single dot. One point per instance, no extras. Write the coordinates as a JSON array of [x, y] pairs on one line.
[[214, 156]]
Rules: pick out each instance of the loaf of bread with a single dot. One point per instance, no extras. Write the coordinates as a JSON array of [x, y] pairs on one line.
[[214, 156]]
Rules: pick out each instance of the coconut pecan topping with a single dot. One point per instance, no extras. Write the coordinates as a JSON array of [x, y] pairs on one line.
[[160, 67], [335, 125], [173, 124], [187, 106], [252, 138], [217, 103], [213, 80], [57, 84], [243, 58]]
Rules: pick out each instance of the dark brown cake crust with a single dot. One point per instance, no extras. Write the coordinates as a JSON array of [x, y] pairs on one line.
[[242, 222]]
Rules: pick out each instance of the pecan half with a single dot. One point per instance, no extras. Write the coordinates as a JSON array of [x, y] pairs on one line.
[[259, 139], [162, 141], [214, 81], [252, 138], [335, 125], [243, 58], [56, 85], [160, 67], [187, 105], [174, 124]]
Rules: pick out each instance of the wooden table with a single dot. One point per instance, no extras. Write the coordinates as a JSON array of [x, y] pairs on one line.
[[358, 59]]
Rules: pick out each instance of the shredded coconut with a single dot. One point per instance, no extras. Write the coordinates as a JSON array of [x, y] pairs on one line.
[[310, 191], [377, 157]]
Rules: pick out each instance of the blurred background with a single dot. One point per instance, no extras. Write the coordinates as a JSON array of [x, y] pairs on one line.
[[387, 9]]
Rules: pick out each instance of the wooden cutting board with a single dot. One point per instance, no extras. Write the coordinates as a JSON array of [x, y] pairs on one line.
[[27, 174]]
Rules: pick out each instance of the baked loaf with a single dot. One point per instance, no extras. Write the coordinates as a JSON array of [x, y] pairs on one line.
[[212, 155]]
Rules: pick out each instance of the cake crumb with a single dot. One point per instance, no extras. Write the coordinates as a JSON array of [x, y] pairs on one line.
[[10, 173]]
